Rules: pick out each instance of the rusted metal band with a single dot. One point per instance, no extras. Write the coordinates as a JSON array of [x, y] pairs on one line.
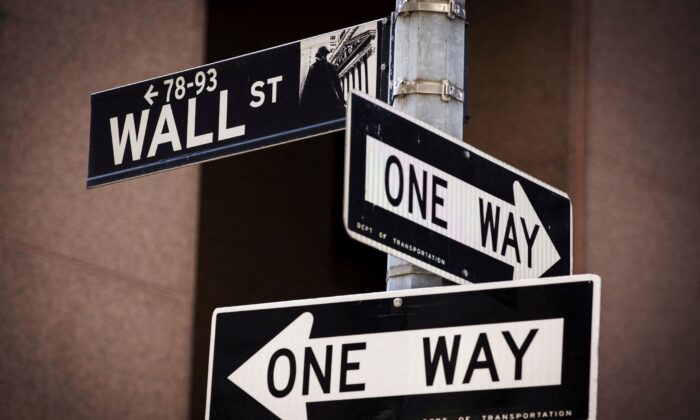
[[444, 88], [452, 8]]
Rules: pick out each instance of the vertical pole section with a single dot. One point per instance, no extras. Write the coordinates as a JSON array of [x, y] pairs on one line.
[[428, 46]]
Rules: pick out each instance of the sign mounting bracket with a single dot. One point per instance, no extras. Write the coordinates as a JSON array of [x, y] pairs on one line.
[[446, 89], [452, 8]]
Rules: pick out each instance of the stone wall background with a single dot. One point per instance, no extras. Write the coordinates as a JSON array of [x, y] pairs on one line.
[[96, 287]]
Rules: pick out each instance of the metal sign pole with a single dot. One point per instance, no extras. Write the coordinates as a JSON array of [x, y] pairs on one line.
[[428, 74]]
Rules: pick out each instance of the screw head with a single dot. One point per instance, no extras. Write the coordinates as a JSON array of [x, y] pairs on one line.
[[398, 302]]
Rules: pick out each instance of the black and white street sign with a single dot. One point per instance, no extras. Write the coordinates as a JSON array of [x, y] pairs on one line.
[[244, 103], [443, 205], [520, 350]]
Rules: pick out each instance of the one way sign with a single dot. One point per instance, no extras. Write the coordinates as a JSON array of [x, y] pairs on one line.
[[414, 192], [512, 350]]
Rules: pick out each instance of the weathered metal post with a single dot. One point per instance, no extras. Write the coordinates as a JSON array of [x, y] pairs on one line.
[[428, 76]]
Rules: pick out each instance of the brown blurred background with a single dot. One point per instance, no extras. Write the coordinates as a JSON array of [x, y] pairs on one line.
[[106, 295]]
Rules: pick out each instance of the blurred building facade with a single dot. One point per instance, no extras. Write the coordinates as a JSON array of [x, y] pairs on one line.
[[96, 287]]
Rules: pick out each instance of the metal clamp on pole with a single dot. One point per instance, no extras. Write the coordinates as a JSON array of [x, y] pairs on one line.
[[453, 8], [444, 88]]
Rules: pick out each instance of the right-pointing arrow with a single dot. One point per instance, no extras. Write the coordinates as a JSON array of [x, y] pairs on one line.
[[292, 369], [509, 232]]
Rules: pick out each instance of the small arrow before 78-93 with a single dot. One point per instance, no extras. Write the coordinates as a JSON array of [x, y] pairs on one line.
[[150, 93]]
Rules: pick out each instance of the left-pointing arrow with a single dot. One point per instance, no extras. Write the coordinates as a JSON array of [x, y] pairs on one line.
[[150, 93], [293, 369]]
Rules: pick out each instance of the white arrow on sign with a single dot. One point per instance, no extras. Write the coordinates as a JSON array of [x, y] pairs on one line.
[[415, 190], [150, 93], [293, 369]]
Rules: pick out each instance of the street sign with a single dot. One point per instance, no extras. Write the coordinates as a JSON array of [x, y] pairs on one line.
[[241, 104], [414, 192], [513, 350]]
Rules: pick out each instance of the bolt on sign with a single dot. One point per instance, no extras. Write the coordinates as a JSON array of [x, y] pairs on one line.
[[245, 103], [417, 193], [505, 350]]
